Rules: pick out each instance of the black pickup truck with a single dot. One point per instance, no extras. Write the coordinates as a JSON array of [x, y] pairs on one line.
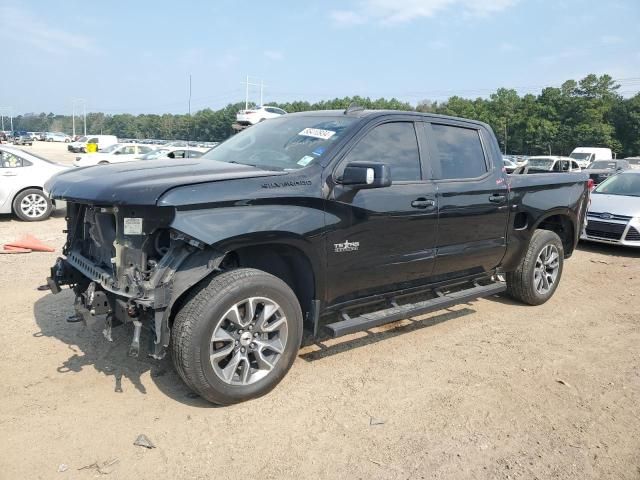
[[326, 222]]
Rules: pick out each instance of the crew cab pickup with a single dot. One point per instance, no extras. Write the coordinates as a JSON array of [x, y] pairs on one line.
[[322, 223]]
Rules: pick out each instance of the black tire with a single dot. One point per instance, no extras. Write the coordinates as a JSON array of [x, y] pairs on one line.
[[103, 162], [42, 199], [521, 282], [204, 310]]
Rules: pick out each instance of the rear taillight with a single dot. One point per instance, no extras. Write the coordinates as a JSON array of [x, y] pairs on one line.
[[591, 184]]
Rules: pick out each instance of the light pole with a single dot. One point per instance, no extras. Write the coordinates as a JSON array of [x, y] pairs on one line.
[[3, 113], [75, 102]]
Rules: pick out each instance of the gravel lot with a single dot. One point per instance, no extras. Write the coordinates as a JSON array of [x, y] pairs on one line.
[[490, 389]]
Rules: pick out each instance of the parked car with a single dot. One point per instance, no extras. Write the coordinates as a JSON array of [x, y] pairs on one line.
[[117, 153], [57, 137], [22, 138], [587, 155], [634, 162], [614, 212], [22, 178], [102, 142], [546, 164], [256, 115], [175, 152], [297, 220], [509, 165], [600, 170]]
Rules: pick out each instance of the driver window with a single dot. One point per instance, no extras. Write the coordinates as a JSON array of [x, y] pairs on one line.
[[395, 144]]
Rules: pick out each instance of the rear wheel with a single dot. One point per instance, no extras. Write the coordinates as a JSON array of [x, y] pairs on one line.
[[237, 336], [32, 205], [538, 275]]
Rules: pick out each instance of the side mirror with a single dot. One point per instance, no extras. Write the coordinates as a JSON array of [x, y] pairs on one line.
[[117, 152], [366, 175]]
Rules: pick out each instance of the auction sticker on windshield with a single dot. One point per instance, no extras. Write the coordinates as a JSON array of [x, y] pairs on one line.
[[317, 133]]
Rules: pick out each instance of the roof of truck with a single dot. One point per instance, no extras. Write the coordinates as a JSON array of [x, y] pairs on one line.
[[364, 113]]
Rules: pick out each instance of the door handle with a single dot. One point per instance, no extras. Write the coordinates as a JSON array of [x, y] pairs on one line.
[[497, 198], [9, 174], [423, 203]]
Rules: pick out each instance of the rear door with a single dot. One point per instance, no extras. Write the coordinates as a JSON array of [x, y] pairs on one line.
[[472, 200], [383, 239]]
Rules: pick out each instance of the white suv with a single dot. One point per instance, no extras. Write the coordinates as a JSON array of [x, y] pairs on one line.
[[255, 115]]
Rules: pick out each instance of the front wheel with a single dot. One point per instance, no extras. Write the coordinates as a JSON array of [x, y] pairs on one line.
[[237, 336], [32, 205], [539, 272]]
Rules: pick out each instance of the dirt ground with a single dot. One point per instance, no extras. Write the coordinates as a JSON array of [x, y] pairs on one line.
[[490, 389]]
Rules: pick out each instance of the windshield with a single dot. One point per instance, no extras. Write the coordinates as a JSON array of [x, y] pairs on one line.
[[282, 143], [604, 165], [580, 156], [83, 139], [622, 184], [540, 163]]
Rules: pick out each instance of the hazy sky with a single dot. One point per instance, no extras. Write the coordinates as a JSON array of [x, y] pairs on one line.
[[136, 56]]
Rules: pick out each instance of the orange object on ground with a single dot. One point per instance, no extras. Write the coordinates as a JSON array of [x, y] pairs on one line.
[[30, 243]]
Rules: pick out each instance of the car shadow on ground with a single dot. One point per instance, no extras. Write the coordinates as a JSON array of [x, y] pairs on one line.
[[59, 212], [89, 349], [613, 250], [379, 334]]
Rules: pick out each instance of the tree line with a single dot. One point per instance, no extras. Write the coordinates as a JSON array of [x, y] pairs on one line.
[[588, 112]]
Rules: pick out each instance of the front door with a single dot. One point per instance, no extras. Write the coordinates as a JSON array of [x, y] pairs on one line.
[[472, 201], [382, 239]]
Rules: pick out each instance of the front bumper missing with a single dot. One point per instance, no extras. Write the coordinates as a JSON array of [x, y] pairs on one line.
[[98, 294]]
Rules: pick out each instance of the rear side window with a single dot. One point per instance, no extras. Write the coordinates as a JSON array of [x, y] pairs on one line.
[[395, 144], [459, 151]]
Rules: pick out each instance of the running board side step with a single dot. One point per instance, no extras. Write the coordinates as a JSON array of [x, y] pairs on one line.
[[400, 312]]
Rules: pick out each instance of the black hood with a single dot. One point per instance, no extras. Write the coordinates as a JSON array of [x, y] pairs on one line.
[[142, 182]]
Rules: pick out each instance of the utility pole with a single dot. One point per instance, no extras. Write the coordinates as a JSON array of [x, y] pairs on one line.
[[84, 114], [246, 95], [247, 83], [261, 90], [505, 136]]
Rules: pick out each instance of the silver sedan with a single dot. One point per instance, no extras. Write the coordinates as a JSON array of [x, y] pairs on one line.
[[614, 213], [22, 179]]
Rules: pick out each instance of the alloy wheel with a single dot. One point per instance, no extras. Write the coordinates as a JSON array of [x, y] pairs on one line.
[[34, 205], [546, 269], [248, 341]]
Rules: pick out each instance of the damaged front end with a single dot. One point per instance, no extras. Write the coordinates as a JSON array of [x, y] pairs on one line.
[[127, 263]]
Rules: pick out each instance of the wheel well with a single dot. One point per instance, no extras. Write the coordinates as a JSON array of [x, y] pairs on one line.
[[563, 227], [287, 263]]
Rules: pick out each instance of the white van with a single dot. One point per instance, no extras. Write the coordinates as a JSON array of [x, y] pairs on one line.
[[585, 156], [103, 141]]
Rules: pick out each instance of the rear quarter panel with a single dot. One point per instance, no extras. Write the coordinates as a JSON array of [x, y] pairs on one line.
[[534, 198]]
